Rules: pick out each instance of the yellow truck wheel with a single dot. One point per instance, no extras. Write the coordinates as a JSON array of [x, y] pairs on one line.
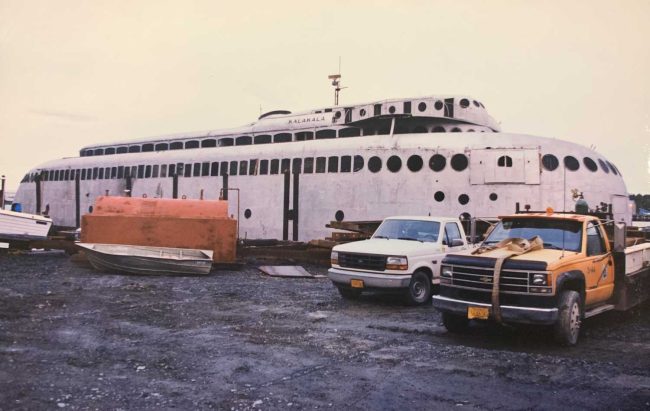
[[567, 327]]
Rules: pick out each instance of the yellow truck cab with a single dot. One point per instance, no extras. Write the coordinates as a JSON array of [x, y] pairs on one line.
[[545, 268]]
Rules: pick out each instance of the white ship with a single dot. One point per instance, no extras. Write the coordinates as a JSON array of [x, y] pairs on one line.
[[293, 173]]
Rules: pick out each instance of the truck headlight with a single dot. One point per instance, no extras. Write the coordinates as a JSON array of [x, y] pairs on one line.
[[334, 258], [539, 280], [397, 263], [446, 271]]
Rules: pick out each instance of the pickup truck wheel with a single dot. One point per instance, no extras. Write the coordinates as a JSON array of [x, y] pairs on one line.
[[349, 293], [455, 323], [567, 327], [419, 291]]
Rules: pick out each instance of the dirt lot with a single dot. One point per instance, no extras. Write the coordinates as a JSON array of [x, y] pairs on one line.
[[73, 338]]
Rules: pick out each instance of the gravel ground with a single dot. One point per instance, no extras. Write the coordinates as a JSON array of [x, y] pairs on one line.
[[73, 338]]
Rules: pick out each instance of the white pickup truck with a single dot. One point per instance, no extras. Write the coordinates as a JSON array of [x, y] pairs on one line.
[[404, 254]]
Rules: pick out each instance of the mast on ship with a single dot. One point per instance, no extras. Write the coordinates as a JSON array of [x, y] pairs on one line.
[[336, 82]]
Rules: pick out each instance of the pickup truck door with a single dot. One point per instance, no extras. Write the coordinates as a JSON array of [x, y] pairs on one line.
[[600, 276], [452, 238]]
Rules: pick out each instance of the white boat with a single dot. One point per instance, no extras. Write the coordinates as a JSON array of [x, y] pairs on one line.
[[295, 172], [15, 226], [137, 259]]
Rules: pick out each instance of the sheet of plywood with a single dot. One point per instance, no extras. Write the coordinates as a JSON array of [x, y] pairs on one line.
[[293, 271]]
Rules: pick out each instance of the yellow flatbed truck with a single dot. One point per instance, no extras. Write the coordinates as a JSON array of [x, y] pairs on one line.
[[545, 268]]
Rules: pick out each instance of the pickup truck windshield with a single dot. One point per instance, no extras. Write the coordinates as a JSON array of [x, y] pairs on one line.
[[556, 234], [416, 230]]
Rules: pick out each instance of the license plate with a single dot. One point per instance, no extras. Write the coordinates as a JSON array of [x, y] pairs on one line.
[[356, 283], [480, 313]]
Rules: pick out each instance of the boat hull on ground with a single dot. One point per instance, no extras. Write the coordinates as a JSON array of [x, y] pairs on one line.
[[16, 226], [144, 260]]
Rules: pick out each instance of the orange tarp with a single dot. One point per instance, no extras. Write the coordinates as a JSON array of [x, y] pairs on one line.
[[199, 224]]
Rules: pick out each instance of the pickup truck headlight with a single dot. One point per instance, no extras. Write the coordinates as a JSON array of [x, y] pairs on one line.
[[446, 271], [334, 258], [397, 263], [539, 280]]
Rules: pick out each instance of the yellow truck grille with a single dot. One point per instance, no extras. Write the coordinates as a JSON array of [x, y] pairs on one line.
[[511, 281]]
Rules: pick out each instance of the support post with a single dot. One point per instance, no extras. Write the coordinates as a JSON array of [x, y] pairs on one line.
[[224, 189], [2, 194], [296, 197], [37, 181], [175, 185], [285, 208], [77, 200]]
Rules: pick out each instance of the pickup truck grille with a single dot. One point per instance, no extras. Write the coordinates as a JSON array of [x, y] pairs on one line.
[[363, 261], [479, 278]]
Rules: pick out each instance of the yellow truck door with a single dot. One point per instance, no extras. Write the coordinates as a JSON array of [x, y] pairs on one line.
[[600, 275]]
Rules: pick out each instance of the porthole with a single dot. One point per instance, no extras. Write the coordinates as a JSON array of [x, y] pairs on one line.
[[459, 162], [571, 163], [337, 114], [422, 106], [437, 162], [603, 165], [550, 162], [439, 196], [438, 129], [339, 216], [438, 105], [414, 163], [590, 164], [504, 161], [493, 196], [362, 112], [464, 103], [374, 164], [476, 103], [613, 168], [463, 199], [248, 213], [394, 163], [358, 163], [391, 109]]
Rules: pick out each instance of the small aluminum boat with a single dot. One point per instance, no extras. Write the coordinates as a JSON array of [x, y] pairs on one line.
[[23, 226], [139, 259]]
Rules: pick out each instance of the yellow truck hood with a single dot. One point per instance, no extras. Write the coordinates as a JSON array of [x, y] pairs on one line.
[[550, 257]]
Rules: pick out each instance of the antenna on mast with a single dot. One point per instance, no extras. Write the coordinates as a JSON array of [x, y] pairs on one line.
[[336, 82]]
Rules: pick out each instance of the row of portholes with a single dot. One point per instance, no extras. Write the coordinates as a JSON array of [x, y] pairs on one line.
[[277, 138], [463, 199], [439, 196], [437, 162], [422, 106], [551, 162]]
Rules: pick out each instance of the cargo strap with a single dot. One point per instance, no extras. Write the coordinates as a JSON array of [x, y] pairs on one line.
[[510, 247]]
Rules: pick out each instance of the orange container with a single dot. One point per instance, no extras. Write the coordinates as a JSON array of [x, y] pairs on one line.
[[197, 224]]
